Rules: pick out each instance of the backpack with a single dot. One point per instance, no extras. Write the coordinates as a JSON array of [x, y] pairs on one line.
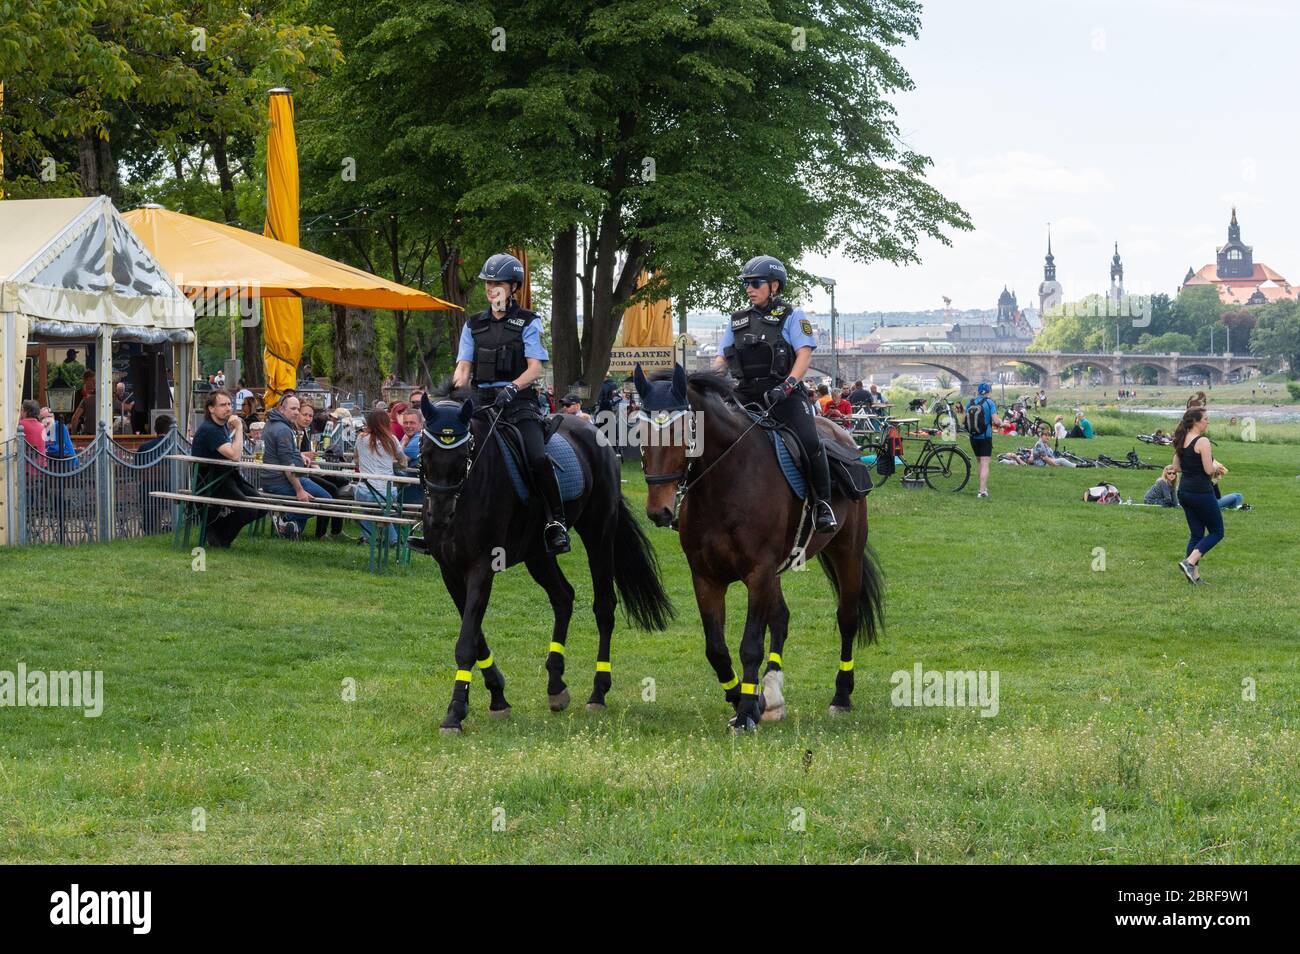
[[891, 448], [977, 419], [1102, 493]]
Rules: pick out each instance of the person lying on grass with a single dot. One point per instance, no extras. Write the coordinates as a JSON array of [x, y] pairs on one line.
[[1233, 501]]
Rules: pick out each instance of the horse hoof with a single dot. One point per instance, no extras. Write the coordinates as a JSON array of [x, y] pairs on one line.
[[840, 710], [773, 714], [773, 683], [449, 729], [560, 702], [499, 713], [596, 707], [743, 723]]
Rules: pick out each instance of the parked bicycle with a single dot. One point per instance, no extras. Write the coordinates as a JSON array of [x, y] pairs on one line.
[[942, 466]]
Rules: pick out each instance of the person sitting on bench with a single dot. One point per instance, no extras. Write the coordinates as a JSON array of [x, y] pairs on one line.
[[221, 436]]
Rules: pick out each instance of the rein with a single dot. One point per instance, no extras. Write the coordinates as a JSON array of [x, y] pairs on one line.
[[680, 477], [430, 487]]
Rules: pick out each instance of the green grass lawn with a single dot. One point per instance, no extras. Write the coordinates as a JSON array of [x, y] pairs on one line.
[[1121, 691]]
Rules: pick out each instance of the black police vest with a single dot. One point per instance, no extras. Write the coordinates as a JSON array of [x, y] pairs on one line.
[[499, 345], [760, 356]]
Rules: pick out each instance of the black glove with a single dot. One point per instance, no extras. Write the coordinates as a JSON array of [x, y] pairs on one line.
[[778, 394], [505, 395]]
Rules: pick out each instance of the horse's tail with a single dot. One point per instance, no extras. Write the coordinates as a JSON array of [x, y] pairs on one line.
[[871, 594], [636, 574]]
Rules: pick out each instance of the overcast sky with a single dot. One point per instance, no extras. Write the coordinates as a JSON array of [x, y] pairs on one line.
[[1140, 121]]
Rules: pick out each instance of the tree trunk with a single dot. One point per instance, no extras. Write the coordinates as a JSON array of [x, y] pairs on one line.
[[88, 156], [566, 357], [228, 210], [356, 365], [399, 362], [108, 178], [452, 291]]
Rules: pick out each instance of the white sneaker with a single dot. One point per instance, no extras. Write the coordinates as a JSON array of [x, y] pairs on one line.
[[983, 494]]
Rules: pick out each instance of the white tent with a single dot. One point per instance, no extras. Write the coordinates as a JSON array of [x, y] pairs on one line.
[[74, 268]]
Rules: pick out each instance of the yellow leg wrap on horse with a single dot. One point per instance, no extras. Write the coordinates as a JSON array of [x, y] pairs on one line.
[[748, 689], [775, 657], [485, 663], [846, 666], [557, 648], [731, 683], [604, 666], [464, 675]]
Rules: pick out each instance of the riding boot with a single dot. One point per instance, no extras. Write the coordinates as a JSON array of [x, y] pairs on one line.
[[823, 515], [553, 533]]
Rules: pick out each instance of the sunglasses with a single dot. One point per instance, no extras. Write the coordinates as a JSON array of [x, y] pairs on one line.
[[753, 282]]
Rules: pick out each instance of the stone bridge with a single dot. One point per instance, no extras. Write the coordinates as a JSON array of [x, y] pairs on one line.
[[971, 367]]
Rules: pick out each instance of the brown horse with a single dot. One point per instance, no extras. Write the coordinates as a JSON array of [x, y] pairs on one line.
[[711, 472]]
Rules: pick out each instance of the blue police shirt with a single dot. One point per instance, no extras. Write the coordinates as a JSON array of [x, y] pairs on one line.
[[797, 330], [533, 347]]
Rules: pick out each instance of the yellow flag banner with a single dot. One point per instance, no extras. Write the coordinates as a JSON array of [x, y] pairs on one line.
[[648, 324], [281, 317]]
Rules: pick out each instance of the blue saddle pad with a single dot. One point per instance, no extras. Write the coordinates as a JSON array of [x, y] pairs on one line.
[[563, 459], [793, 475]]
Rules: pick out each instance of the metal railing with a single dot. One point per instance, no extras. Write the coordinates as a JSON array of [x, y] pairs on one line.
[[101, 493]]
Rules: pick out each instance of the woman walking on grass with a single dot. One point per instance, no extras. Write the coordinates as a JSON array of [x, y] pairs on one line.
[[1193, 458]]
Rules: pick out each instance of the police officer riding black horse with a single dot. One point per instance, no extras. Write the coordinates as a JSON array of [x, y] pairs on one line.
[[501, 355], [768, 347]]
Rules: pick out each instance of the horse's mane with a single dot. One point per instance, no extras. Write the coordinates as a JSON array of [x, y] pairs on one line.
[[712, 384], [443, 391]]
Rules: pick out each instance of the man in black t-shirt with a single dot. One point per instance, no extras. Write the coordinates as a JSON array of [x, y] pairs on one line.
[[214, 441]]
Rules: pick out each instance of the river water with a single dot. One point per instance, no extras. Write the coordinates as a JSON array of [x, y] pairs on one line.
[[1268, 415]]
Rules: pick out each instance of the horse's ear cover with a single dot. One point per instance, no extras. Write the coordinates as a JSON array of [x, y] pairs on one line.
[[425, 407], [638, 378], [466, 411], [679, 382]]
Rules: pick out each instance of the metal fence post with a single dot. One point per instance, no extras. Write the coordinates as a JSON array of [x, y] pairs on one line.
[[19, 527], [104, 483]]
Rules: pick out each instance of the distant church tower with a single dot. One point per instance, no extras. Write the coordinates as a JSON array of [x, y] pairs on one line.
[[1049, 292], [1235, 259], [1116, 277]]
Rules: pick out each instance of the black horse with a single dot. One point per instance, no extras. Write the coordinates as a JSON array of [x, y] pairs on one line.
[[475, 526]]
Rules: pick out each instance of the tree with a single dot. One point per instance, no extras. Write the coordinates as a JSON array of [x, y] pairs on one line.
[[1277, 334], [632, 135]]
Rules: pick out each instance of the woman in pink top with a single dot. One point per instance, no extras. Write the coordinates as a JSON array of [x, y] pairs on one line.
[[29, 423]]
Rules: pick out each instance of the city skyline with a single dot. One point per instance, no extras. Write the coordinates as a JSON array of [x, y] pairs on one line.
[[1140, 123]]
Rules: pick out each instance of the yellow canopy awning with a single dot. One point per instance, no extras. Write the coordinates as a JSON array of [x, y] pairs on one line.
[[281, 317], [205, 257], [647, 324]]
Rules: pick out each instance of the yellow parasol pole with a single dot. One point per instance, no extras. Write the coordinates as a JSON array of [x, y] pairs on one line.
[[281, 317], [525, 295]]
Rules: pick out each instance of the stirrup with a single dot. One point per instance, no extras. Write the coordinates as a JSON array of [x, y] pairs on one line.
[[824, 517], [561, 544]]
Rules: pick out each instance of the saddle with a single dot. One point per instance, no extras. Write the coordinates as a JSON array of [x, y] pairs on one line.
[[848, 474], [568, 471]]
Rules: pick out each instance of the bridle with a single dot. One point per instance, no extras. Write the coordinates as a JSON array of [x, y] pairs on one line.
[[663, 420], [438, 442], [682, 477]]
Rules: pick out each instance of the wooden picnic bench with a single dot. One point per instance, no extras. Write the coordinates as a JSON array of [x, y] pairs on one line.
[[190, 509]]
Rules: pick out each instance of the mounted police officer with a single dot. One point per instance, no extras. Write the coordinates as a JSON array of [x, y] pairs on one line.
[[768, 347], [501, 355]]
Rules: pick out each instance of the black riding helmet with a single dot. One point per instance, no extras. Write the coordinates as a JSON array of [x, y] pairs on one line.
[[766, 267], [502, 267]]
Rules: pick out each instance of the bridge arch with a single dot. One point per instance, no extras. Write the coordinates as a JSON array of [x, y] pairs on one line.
[[1211, 372], [1163, 372], [1067, 365]]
